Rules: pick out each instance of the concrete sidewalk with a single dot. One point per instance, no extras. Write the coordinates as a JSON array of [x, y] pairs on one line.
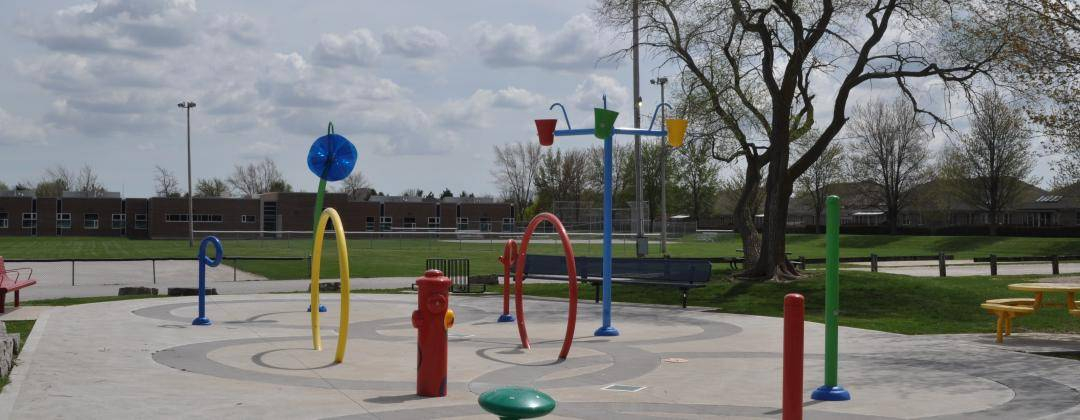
[[965, 268], [144, 359]]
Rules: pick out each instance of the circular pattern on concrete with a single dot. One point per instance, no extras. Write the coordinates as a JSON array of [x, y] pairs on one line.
[[594, 362]]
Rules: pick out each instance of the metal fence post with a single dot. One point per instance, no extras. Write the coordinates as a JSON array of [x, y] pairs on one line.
[[153, 269], [941, 264], [993, 264], [873, 263], [1054, 264]]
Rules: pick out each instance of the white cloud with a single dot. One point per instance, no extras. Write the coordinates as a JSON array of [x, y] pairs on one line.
[[15, 129], [239, 28], [589, 94], [356, 48], [576, 46], [476, 110], [129, 27], [415, 42]]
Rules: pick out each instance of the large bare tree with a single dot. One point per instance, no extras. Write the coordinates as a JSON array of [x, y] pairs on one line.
[[258, 177], [356, 186], [991, 166], [166, 183], [814, 185], [889, 155], [515, 173], [562, 175], [86, 182], [767, 60]]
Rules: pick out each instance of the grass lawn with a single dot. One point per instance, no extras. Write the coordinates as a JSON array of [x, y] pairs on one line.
[[876, 301], [405, 257]]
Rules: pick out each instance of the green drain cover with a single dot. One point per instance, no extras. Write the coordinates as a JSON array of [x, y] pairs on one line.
[[515, 402]]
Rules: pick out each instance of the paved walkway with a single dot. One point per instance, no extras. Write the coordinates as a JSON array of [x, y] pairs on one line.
[[143, 359], [965, 268], [105, 278]]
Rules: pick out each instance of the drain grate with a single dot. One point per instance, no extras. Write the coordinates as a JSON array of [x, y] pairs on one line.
[[623, 388]]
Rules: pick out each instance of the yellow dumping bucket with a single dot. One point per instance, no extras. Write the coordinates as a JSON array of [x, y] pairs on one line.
[[676, 131]]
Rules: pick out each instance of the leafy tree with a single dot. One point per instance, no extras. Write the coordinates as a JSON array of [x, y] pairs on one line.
[[212, 187], [446, 193]]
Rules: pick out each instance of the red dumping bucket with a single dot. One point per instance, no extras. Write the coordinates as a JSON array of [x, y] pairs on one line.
[[545, 129]]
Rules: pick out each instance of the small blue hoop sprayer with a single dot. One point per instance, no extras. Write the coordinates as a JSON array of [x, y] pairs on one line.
[[203, 262]]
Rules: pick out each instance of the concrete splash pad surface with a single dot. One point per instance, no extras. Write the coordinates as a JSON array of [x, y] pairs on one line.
[[143, 359]]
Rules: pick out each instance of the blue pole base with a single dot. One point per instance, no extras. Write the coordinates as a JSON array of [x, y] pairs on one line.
[[322, 308], [506, 318], [607, 331], [202, 320], [830, 393]]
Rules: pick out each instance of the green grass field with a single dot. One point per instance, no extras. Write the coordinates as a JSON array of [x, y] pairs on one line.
[[405, 257], [876, 301]]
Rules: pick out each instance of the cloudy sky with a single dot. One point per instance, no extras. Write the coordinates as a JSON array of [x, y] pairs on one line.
[[424, 89]]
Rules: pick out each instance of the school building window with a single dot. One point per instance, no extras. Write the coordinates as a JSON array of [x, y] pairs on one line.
[[140, 221], [369, 223], [119, 220], [463, 223], [485, 224], [198, 218], [3, 220], [247, 218], [385, 222], [410, 222], [90, 221], [434, 222], [29, 220], [63, 221], [508, 224]]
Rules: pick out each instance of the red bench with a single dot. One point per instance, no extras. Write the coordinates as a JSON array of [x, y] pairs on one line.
[[13, 284]]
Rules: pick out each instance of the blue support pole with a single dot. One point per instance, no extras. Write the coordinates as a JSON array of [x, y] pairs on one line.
[[203, 262], [606, 330]]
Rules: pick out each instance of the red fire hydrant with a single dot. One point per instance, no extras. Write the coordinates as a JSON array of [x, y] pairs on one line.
[[432, 321]]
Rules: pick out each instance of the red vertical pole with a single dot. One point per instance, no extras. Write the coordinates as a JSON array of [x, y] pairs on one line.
[[793, 356]]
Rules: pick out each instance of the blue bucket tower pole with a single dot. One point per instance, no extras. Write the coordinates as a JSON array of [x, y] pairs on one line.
[[606, 329], [203, 262]]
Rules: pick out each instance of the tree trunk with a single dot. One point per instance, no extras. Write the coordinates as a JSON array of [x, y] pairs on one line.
[[993, 223], [744, 214], [892, 216], [772, 263]]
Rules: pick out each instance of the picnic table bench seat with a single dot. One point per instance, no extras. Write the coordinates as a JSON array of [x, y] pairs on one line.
[[678, 273], [1005, 310], [11, 280]]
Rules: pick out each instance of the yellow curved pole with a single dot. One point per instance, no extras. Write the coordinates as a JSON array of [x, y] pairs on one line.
[[343, 269]]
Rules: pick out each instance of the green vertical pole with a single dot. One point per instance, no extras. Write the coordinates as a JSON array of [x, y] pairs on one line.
[[318, 210], [832, 391]]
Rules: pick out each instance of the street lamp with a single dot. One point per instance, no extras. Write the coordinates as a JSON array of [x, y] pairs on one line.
[[663, 170], [187, 105]]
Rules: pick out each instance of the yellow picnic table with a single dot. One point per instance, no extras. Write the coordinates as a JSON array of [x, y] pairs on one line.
[[1069, 289], [1009, 308]]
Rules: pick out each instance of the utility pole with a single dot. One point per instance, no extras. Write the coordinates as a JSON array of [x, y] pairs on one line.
[[642, 243], [187, 105], [663, 168]]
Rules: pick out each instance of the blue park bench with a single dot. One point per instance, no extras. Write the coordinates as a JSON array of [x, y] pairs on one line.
[[683, 274]]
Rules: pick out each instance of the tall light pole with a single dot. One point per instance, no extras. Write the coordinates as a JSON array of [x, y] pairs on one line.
[[187, 105], [663, 169], [642, 245]]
